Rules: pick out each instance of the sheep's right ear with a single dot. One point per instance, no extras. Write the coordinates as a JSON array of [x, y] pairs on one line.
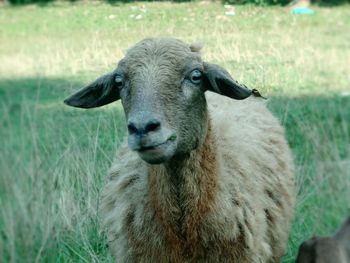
[[218, 80], [98, 93]]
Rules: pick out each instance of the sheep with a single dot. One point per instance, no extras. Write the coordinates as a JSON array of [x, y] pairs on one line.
[[332, 249], [202, 176]]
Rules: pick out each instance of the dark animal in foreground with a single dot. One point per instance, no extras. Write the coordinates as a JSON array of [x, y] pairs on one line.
[[333, 249], [207, 175]]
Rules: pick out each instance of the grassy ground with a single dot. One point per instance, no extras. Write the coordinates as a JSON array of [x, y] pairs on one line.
[[54, 159]]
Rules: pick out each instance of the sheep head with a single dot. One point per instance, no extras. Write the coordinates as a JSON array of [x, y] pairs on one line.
[[161, 84]]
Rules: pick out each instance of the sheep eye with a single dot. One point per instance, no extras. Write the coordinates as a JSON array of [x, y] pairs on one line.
[[118, 81], [196, 76]]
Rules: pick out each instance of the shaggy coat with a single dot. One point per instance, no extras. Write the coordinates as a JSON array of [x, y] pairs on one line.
[[230, 200], [206, 177]]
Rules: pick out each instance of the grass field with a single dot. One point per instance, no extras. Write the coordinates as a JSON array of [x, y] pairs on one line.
[[54, 159]]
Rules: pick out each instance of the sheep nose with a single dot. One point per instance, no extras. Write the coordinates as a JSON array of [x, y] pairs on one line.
[[142, 128]]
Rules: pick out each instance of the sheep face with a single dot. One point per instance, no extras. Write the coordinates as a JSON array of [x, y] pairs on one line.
[[161, 84], [163, 99]]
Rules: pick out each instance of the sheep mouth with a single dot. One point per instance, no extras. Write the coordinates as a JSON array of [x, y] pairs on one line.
[[157, 147], [152, 147]]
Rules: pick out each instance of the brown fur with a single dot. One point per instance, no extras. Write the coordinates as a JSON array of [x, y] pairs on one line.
[[181, 230]]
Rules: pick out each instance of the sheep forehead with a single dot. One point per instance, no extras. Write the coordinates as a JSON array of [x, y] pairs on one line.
[[168, 54], [160, 45]]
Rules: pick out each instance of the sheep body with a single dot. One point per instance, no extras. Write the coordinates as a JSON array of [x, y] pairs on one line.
[[230, 200]]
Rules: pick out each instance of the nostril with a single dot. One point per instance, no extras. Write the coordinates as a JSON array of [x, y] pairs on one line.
[[152, 126], [141, 129], [132, 128]]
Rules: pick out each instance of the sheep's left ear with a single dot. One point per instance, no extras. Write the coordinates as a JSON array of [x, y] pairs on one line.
[[98, 93], [218, 80]]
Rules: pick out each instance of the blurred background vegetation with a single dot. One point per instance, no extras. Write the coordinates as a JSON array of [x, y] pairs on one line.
[[233, 2], [54, 159]]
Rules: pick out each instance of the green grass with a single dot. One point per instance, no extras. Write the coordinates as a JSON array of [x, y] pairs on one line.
[[54, 159]]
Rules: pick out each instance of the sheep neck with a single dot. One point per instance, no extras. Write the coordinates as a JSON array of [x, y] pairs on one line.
[[183, 191]]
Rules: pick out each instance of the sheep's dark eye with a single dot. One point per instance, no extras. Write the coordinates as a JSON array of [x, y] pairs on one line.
[[196, 76], [118, 81]]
